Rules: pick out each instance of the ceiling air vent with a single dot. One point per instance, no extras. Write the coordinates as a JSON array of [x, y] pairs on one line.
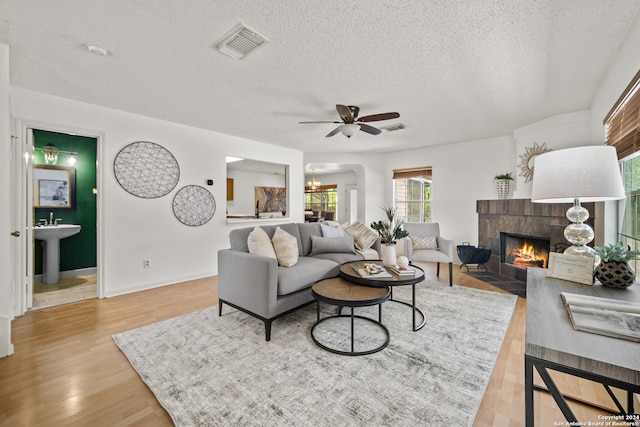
[[397, 126], [240, 42]]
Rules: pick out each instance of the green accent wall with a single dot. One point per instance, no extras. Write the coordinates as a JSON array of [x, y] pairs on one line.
[[79, 251]]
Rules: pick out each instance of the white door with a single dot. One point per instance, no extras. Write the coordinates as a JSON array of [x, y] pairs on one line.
[[22, 166], [352, 191]]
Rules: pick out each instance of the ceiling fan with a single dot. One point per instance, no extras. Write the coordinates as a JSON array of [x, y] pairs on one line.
[[350, 123]]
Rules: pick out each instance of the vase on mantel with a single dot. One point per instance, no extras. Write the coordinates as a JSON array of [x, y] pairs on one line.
[[502, 187], [389, 254]]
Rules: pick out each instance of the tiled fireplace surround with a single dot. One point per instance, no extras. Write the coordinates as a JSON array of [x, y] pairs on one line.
[[520, 216]]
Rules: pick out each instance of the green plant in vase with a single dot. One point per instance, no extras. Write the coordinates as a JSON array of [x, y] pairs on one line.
[[389, 230], [503, 184], [614, 270]]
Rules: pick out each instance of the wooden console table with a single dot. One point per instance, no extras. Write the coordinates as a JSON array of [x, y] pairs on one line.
[[552, 343]]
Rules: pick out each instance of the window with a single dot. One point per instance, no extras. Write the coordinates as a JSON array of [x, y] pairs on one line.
[[322, 199], [622, 124], [412, 194], [630, 233], [622, 128]]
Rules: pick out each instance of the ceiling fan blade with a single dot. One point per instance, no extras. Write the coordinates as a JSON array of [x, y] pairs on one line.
[[334, 132], [369, 129], [376, 117], [345, 113], [322, 121]]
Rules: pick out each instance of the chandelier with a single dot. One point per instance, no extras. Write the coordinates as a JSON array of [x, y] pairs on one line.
[[313, 184]]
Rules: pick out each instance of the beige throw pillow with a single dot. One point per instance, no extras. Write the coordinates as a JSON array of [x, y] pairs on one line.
[[259, 243], [429, 242], [363, 236], [286, 247]]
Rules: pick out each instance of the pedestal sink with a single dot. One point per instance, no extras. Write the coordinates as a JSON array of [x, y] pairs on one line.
[[51, 234]]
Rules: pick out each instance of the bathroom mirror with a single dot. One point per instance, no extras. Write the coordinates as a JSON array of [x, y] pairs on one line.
[[54, 186], [256, 189]]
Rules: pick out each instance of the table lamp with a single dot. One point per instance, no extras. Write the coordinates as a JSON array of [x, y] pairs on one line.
[[574, 175]]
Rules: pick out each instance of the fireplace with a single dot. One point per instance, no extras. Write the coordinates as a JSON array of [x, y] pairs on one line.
[[521, 218], [524, 251]]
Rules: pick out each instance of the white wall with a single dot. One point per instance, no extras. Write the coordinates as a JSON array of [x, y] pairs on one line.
[[462, 174], [137, 229], [556, 132], [5, 208], [342, 181], [371, 178]]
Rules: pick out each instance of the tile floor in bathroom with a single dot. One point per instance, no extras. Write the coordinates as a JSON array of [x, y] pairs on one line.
[[65, 291]]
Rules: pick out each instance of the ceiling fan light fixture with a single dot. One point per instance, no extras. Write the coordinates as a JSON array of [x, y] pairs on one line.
[[349, 130]]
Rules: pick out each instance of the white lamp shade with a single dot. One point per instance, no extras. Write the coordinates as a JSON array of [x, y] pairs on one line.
[[349, 130], [590, 174]]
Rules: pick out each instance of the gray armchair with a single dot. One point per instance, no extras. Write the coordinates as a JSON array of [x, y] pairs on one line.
[[443, 253]]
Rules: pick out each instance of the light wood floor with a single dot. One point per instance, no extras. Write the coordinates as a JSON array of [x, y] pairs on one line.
[[66, 370]]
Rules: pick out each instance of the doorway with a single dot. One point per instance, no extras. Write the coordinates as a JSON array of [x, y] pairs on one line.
[[57, 202]]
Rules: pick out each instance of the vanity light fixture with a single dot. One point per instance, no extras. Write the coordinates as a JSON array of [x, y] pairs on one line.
[[51, 152]]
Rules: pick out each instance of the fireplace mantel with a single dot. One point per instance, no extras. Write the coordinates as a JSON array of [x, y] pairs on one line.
[[520, 216]]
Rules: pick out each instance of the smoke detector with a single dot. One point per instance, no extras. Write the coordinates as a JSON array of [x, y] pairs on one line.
[[240, 42]]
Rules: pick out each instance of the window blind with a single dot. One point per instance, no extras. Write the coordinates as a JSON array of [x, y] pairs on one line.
[[622, 124], [412, 172]]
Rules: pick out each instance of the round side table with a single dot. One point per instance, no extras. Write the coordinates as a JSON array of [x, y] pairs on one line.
[[340, 292]]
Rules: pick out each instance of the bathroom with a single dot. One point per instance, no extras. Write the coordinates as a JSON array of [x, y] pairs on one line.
[[78, 253]]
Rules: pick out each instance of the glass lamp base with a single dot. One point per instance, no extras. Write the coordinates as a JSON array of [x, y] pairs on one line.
[[584, 251]]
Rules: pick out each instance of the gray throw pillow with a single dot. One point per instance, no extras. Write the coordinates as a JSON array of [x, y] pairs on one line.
[[322, 245]]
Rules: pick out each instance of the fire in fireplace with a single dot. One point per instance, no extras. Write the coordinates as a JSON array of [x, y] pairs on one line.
[[524, 251]]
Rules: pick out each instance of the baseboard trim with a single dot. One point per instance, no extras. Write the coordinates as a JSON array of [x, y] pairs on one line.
[[146, 287]]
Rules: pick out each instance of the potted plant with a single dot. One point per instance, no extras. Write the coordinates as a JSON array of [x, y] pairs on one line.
[[389, 230], [614, 270], [503, 184]]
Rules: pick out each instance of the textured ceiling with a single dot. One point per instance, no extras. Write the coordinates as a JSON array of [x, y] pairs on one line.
[[455, 70]]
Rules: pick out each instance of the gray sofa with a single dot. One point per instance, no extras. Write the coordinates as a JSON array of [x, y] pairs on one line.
[[256, 284]]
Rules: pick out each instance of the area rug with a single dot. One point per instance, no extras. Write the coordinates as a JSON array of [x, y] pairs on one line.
[[207, 370]]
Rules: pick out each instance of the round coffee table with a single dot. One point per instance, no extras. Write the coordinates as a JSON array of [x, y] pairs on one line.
[[349, 272], [337, 291]]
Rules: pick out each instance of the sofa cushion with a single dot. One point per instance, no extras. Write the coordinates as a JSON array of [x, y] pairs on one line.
[[305, 273], [286, 248], [341, 258], [430, 255], [321, 245], [331, 231], [306, 231], [363, 236], [429, 242], [258, 243], [238, 237]]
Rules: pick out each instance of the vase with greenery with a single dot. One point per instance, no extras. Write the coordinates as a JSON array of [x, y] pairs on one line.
[[503, 184], [389, 230], [614, 270]]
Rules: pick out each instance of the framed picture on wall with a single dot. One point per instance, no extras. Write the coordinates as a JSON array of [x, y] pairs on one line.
[[54, 186]]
